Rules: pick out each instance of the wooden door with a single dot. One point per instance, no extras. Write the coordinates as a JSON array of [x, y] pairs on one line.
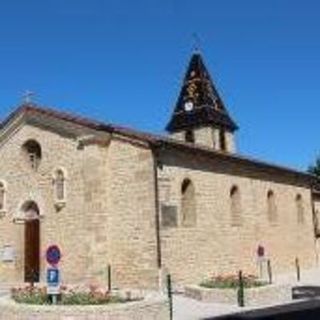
[[32, 251]]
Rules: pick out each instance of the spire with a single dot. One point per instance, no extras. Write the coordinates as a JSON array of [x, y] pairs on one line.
[[199, 103]]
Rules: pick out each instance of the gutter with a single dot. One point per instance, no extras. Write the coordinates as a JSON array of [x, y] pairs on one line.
[[154, 150]]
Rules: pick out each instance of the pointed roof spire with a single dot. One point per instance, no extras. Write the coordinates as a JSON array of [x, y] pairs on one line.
[[199, 103]]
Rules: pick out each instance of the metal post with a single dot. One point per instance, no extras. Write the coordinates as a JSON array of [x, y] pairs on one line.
[[169, 288], [269, 271], [241, 290], [109, 278], [298, 269]]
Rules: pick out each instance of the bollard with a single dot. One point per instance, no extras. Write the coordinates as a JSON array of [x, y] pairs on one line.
[[241, 290], [169, 288], [109, 278], [269, 271], [298, 270]]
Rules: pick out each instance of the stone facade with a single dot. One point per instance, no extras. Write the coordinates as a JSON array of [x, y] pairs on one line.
[[117, 185], [215, 245], [108, 217], [209, 137]]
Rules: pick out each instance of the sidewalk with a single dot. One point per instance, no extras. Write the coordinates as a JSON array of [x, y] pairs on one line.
[[189, 309]]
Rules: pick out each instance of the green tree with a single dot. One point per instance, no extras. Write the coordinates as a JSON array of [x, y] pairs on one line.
[[315, 168]]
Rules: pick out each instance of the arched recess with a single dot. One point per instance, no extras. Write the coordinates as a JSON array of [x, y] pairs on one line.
[[271, 206], [59, 179], [32, 153], [235, 205], [31, 213], [188, 203], [300, 209]]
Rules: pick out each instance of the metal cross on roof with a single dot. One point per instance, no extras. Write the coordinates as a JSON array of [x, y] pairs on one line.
[[27, 96], [196, 42]]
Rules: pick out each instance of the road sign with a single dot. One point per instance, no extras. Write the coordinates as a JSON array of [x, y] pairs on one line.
[[53, 255], [53, 281], [53, 277]]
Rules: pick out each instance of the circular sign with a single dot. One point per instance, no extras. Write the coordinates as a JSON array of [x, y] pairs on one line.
[[53, 255]]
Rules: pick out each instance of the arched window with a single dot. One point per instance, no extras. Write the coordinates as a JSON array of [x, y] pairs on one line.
[[271, 206], [2, 196], [188, 205], [32, 152], [300, 208], [60, 185], [235, 205], [222, 138], [190, 136]]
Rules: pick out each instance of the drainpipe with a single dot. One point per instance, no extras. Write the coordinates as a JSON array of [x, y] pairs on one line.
[[157, 216]]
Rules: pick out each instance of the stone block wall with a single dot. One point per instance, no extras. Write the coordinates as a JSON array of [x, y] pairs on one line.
[[131, 215], [216, 246], [72, 226]]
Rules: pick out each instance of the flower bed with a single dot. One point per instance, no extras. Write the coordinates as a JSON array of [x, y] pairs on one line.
[[76, 295], [30, 303], [224, 289], [232, 282]]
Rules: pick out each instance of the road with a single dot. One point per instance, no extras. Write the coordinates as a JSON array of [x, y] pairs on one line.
[[309, 310]]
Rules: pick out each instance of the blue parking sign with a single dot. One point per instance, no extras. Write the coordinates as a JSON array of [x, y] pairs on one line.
[[53, 277]]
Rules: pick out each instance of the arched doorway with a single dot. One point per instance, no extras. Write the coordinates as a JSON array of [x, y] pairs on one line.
[[31, 242]]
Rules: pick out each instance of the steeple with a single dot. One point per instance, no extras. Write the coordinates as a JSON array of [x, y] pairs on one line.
[[200, 115]]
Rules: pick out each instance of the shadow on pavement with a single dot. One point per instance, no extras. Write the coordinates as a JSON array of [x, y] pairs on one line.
[[306, 310]]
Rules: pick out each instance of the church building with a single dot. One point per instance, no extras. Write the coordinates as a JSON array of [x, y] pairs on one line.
[[185, 203]]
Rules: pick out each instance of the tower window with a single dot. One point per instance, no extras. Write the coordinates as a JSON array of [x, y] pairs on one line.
[[222, 138], [33, 154], [190, 136]]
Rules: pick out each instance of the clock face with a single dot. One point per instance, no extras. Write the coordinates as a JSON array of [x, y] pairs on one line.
[[188, 106]]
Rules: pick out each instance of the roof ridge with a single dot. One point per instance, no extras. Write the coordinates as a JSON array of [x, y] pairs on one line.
[[156, 140]]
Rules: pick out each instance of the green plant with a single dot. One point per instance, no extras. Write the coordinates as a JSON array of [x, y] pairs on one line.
[[30, 295], [92, 295], [232, 282]]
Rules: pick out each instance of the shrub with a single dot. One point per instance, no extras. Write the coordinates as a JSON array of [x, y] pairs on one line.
[[232, 281], [30, 295], [91, 295]]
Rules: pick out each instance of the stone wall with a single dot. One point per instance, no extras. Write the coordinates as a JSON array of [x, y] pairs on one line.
[[109, 216], [254, 297], [216, 246], [209, 137], [69, 227], [131, 215]]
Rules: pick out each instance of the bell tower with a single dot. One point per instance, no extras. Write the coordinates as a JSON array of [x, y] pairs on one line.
[[200, 116]]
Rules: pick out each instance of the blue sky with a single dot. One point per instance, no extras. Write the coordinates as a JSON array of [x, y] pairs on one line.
[[123, 61]]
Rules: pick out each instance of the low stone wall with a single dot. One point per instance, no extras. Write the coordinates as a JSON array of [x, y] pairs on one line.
[[260, 296], [152, 307]]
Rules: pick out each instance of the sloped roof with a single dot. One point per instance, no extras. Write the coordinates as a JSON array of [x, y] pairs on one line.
[[207, 105], [155, 141]]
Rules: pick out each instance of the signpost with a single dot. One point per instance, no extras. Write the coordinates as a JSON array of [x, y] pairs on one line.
[[53, 256]]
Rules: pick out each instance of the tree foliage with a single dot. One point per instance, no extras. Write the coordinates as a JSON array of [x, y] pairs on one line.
[[315, 168]]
